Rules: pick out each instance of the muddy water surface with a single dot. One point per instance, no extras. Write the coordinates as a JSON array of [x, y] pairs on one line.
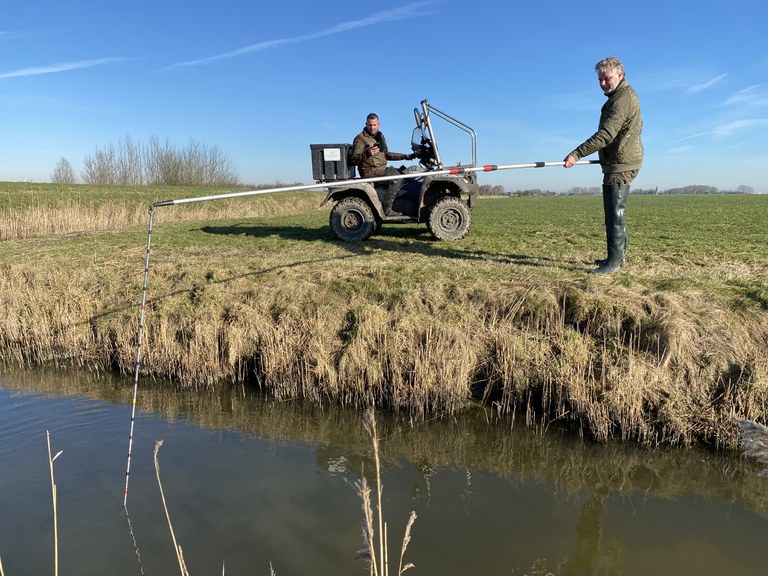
[[250, 482]]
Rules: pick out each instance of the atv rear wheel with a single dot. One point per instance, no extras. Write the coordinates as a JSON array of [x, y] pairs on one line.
[[352, 220], [449, 219]]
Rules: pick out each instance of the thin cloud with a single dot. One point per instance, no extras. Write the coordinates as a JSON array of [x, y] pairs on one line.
[[739, 125], [393, 15], [57, 68], [696, 88], [752, 96], [730, 128]]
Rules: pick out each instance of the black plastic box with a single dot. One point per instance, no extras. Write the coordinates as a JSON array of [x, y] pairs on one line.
[[331, 162]]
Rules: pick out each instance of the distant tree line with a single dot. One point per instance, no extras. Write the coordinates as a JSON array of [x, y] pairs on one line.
[[488, 190], [159, 162], [532, 192], [699, 189], [692, 189], [584, 191]]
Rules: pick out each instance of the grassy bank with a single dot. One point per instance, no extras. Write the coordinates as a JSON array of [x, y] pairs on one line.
[[257, 291]]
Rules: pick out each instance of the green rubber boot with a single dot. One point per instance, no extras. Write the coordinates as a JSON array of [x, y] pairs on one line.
[[615, 231]]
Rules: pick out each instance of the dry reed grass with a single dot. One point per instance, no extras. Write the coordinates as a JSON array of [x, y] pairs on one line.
[[377, 555], [81, 215], [659, 369]]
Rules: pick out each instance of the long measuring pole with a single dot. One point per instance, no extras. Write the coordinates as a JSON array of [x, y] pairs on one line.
[[138, 355], [454, 170]]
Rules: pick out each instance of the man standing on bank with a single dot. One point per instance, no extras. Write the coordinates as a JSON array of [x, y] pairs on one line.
[[617, 142], [370, 154]]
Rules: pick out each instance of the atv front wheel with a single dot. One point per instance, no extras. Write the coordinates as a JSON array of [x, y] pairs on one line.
[[449, 219], [352, 220]]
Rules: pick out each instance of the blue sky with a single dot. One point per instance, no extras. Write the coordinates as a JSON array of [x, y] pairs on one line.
[[264, 80]]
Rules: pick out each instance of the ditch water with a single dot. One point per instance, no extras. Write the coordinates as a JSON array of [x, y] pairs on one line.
[[249, 482]]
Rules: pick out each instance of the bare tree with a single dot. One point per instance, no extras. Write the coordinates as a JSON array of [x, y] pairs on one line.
[[63, 173], [159, 163], [128, 169], [101, 167]]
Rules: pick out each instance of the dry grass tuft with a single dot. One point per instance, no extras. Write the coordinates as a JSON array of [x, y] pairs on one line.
[[377, 555]]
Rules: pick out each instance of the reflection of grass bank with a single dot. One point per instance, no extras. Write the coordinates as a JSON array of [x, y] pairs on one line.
[[479, 441], [668, 351]]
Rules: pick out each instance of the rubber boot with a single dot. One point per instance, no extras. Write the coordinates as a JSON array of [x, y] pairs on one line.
[[622, 211], [614, 230], [389, 198], [623, 192]]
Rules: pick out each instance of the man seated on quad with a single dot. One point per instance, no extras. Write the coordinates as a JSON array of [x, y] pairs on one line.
[[370, 154]]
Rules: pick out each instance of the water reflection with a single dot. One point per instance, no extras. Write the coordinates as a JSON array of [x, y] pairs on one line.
[[491, 497]]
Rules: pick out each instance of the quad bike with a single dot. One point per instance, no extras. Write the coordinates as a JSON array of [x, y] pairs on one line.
[[430, 194], [442, 197]]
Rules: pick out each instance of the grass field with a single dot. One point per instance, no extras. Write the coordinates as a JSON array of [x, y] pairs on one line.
[[257, 291]]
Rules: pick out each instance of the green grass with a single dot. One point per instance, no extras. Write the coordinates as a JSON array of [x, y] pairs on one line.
[[712, 244]]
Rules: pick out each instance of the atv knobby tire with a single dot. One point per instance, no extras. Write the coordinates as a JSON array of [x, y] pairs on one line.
[[449, 219], [352, 220]]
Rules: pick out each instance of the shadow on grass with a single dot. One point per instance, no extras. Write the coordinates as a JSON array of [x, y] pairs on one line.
[[295, 233], [402, 239]]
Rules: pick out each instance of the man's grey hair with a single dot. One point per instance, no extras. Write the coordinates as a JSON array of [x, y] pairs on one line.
[[610, 63]]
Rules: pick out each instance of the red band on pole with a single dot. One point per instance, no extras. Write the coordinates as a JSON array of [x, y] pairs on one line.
[[490, 167]]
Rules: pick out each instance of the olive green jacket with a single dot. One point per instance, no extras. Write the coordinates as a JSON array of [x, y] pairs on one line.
[[617, 140], [376, 164]]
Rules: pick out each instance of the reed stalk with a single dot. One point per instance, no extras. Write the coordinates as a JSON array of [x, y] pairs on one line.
[[406, 540], [176, 546], [364, 491], [370, 424], [55, 510]]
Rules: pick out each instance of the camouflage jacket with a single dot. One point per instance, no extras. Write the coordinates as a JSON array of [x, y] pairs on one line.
[[376, 164], [617, 140]]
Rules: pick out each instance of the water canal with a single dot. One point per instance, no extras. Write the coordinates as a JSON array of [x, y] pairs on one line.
[[250, 482]]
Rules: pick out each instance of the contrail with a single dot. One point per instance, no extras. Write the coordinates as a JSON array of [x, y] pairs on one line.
[[695, 89], [56, 68], [729, 128], [393, 15]]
